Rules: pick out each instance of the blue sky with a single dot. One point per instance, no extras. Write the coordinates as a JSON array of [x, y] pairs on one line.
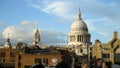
[[20, 18]]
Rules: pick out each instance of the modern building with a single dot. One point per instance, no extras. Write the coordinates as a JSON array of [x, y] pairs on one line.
[[108, 51], [79, 37]]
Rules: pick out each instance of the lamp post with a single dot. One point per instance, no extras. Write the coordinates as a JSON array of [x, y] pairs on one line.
[[73, 58], [88, 53]]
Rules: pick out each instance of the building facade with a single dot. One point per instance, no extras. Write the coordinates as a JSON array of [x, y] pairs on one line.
[[108, 51], [78, 37], [7, 58], [24, 56]]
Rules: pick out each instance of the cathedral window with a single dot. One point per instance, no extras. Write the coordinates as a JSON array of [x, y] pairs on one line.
[[72, 38], [79, 38], [81, 50], [82, 38]]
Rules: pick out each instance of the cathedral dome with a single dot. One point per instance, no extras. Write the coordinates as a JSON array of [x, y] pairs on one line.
[[79, 24]]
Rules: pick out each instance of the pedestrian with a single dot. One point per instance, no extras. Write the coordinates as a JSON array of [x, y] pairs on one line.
[[63, 63], [38, 64], [106, 65], [99, 63], [84, 64]]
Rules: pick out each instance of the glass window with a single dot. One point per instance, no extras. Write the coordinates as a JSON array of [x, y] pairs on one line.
[[3, 60], [44, 60], [12, 54], [106, 55], [2, 54], [12, 60]]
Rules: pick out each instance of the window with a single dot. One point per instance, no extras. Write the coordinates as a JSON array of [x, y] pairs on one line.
[[106, 57], [12, 54], [3, 60], [117, 57], [38, 60], [72, 38], [79, 38], [27, 66], [81, 50], [2, 54], [47, 61], [12, 60], [44, 60]]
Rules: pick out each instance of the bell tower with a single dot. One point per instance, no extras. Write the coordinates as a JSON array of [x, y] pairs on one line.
[[37, 37]]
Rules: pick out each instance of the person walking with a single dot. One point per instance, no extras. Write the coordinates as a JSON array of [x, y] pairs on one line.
[[99, 63], [38, 64], [84, 65], [106, 65], [63, 63]]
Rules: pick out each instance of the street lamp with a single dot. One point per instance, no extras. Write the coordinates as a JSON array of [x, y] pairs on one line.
[[88, 53], [73, 58]]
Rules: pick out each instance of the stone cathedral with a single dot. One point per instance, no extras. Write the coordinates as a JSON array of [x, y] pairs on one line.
[[79, 37]]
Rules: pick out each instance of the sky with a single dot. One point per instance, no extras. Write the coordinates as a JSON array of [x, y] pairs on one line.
[[53, 18]]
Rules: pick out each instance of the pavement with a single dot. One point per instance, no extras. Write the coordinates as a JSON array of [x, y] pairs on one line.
[[115, 66]]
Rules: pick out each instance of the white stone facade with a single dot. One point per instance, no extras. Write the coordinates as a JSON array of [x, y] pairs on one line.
[[78, 37]]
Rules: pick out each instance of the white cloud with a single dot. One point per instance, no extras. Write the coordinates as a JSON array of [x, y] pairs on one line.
[[18, 34], [55, 7], [1, 24], [102, 17], [91, 23], [53, 37], [68, 8], [29, 23]]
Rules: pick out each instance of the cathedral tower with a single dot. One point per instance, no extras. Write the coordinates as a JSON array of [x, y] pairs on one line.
[[36, 40], [7, 45], [37, 37]]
